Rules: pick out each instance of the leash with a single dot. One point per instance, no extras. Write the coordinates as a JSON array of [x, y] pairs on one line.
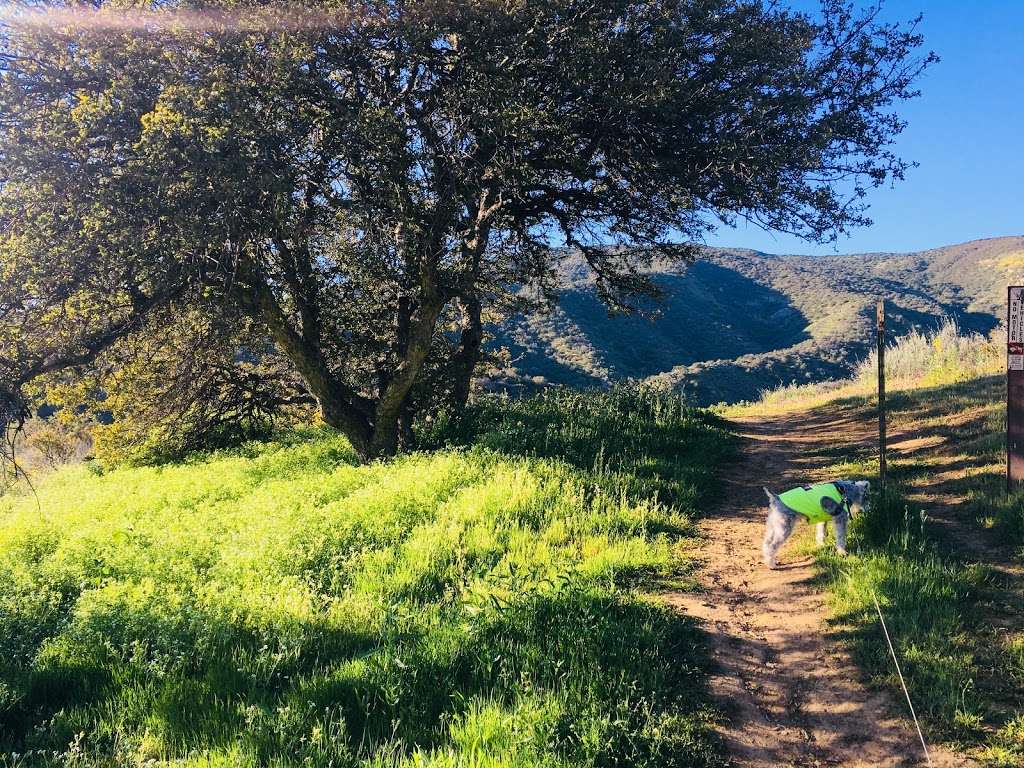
[[899, 672]]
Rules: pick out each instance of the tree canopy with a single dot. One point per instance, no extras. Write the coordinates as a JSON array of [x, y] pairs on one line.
[[367, 181]]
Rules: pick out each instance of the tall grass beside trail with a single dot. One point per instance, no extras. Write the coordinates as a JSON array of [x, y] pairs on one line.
[[925, 598], [281, 605], [933, 358], [919, 359], [929, 600]]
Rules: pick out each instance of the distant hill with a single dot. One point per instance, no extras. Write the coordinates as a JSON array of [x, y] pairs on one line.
[[736, 321]]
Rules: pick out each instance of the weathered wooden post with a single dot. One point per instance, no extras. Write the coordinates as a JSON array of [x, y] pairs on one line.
[[881, 394], [1014, 388]]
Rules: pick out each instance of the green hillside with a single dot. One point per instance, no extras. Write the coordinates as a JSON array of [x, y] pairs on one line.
[[282, 605], [737, 322]]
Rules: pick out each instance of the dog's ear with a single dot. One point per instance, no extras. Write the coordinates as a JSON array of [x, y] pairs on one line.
[[768, 493], [864, 485]]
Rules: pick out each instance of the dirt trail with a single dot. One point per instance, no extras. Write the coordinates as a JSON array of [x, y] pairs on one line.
[[790, 691]]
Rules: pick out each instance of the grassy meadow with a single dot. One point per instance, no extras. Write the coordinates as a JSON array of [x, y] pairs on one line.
[[481, 603]]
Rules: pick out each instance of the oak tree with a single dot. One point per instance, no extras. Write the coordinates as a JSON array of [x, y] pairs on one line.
[[367, 181]]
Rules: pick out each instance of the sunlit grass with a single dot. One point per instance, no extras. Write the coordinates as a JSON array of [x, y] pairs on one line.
[[282, 605], [915, 361]]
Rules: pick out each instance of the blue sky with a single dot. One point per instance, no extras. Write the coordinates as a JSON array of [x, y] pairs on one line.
[[966, 130]]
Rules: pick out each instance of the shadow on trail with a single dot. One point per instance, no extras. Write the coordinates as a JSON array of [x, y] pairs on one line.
[[795, 695]]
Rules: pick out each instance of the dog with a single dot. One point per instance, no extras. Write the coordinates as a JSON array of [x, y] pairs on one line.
[[834, 502]]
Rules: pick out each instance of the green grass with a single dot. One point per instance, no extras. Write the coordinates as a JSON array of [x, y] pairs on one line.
[[280, 605], [927, 600], [633, 441]]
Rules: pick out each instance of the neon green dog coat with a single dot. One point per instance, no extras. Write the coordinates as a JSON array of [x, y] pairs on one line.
[[807, 501]]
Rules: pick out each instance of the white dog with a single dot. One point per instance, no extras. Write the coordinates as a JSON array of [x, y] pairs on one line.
[[834, 502]]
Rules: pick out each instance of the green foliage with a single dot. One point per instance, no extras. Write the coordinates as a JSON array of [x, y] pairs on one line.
[[641, 442], [986, 489], [1007, 747], [185, 381], [279, 604], [926, 598]]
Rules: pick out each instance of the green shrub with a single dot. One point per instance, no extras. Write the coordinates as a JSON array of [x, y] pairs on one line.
[[633, 440]]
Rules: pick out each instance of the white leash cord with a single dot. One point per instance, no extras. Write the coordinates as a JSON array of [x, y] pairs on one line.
[[899, 672]]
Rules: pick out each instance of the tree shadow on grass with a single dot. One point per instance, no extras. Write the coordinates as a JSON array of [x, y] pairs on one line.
[[603, 658], [630, 441]]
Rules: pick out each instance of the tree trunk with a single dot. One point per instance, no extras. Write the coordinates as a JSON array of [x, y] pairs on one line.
[[385, 435], [340, 407], [373, 427], [468, 355], [336, 413], [406, 435]]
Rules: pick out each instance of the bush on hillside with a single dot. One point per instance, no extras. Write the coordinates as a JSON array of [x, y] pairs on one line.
[[183, 383], [637, 440], [932, 358]]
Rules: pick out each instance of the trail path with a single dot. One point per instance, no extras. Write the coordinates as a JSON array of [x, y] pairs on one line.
[[790, 691]]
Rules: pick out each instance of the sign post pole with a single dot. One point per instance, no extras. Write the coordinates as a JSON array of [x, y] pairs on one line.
[[881, 394], [1014, 388]]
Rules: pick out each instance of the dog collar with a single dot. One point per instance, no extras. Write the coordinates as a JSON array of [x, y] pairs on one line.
[[845, 503]]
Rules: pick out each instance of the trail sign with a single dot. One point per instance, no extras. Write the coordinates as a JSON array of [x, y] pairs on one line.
[[1015, 387]]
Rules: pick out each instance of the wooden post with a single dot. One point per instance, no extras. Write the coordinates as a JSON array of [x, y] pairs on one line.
[[881, 394], [1014, 388]]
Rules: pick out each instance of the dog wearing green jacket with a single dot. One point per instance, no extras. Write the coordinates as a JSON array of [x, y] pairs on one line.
[[835, 502]]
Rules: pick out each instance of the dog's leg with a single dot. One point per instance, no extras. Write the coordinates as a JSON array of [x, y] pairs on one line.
[[778, 527], [819, 533], [839, 524]]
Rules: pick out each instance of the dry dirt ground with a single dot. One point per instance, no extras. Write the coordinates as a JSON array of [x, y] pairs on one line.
[[790, 692]]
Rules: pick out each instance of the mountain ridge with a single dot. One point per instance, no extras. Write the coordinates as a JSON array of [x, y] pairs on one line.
[[736, 321]]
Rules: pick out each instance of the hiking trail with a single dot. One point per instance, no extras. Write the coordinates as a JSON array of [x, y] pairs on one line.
[[791, 694]]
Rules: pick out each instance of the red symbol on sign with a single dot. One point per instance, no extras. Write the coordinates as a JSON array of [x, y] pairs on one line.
[[1015, 348]]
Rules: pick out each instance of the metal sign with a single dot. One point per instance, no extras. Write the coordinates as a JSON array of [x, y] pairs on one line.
[[1015, 388], [1015, 332]]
